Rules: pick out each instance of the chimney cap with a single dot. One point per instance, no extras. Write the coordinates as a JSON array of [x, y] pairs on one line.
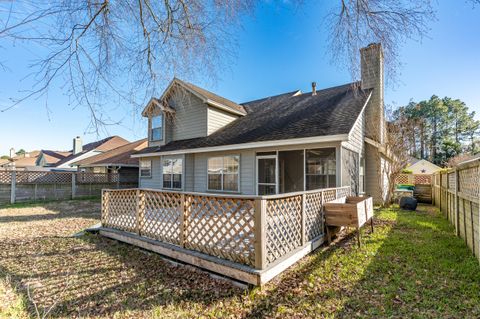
[[314, 88]]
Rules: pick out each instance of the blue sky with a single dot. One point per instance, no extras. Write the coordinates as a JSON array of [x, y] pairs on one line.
[[279, 50]]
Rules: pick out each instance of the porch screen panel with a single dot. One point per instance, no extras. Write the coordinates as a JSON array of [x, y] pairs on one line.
[[351, 170], [321, 168]]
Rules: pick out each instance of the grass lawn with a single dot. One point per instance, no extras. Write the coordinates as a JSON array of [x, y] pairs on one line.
[[412, 266]]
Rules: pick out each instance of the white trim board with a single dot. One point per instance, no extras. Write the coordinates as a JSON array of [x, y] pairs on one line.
[[232, 147]]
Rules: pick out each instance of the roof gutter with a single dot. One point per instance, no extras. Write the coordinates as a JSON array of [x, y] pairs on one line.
[[233, 147], [108, 164]]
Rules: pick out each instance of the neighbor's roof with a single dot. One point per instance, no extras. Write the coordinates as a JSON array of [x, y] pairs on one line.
[[24, 160], [331, 111], [102, 146], [119, 156], [52, 157]]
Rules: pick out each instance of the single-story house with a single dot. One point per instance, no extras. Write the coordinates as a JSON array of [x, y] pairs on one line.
[[80, 151], [422, 166], [117, 160], [48, 158], [21, 162], [199, 141]]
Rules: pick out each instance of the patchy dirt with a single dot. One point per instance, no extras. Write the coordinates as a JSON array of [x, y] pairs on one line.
[[46, 273]]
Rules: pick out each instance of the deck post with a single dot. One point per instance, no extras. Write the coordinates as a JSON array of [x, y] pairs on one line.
[[140, 210], [182, 220], [13, 186], [105, 204], [304, 207], [260, 220]]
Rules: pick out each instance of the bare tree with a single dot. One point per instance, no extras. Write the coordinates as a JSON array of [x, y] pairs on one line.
[[393, 156], [389, 22], [124, 51], [124, 48]]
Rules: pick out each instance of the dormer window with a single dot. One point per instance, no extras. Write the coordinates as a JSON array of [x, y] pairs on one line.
[[156, 133]]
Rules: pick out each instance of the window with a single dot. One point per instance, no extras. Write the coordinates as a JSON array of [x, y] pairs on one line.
[[351, 170], [321, 168], [172, 173], [223, 173], [145, 168], [156, 133]]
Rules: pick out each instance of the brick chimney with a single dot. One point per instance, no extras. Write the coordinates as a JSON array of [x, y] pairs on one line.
[[77, 145], [372, 78]]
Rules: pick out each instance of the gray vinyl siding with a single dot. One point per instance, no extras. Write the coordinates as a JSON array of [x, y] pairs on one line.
[[218, 119], [156, 180], [247, 170], [189, 172], [357, 135], [372, 180], [190, 119]]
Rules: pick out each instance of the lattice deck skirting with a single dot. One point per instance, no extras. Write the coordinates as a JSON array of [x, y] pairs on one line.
[[217, 265], [257, 232]]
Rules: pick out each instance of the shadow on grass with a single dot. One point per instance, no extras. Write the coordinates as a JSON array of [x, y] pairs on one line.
[[414, 267], [50, 210], [95, 276]]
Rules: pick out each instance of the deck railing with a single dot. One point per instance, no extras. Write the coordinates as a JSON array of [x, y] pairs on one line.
[[252, 230]]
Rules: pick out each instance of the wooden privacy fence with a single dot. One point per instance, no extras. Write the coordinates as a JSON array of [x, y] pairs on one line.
[[31, 186], [457, 193], [255, 231]]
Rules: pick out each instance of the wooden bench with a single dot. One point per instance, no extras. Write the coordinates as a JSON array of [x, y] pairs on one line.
[[354, 212]]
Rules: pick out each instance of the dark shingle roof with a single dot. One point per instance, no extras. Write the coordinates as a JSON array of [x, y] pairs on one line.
[[332, 111]]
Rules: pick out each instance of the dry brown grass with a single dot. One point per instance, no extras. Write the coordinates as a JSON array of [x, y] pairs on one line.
[[403, 270]]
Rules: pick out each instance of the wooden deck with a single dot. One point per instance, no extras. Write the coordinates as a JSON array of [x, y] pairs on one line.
[[248, 238]]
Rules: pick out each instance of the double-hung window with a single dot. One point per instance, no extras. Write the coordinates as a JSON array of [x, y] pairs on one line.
[[223, 173], [156, 133], [172, 173], [145, 168]]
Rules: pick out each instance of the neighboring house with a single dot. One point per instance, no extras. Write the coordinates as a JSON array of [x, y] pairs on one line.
[[80, 152], [422, 166], [48, 158], [117, 160], [201, 142], [21, 162]]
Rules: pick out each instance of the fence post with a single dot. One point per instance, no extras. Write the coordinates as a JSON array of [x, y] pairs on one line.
[[182, 213], [478, 194], [440, 193], [260, 220], [457, 218], [13, 187], [74, 185], [304, 214]]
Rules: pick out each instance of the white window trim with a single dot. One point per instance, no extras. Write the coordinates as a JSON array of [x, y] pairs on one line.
[[163, 128], [221, 181], [182, 178], [140, 169]]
